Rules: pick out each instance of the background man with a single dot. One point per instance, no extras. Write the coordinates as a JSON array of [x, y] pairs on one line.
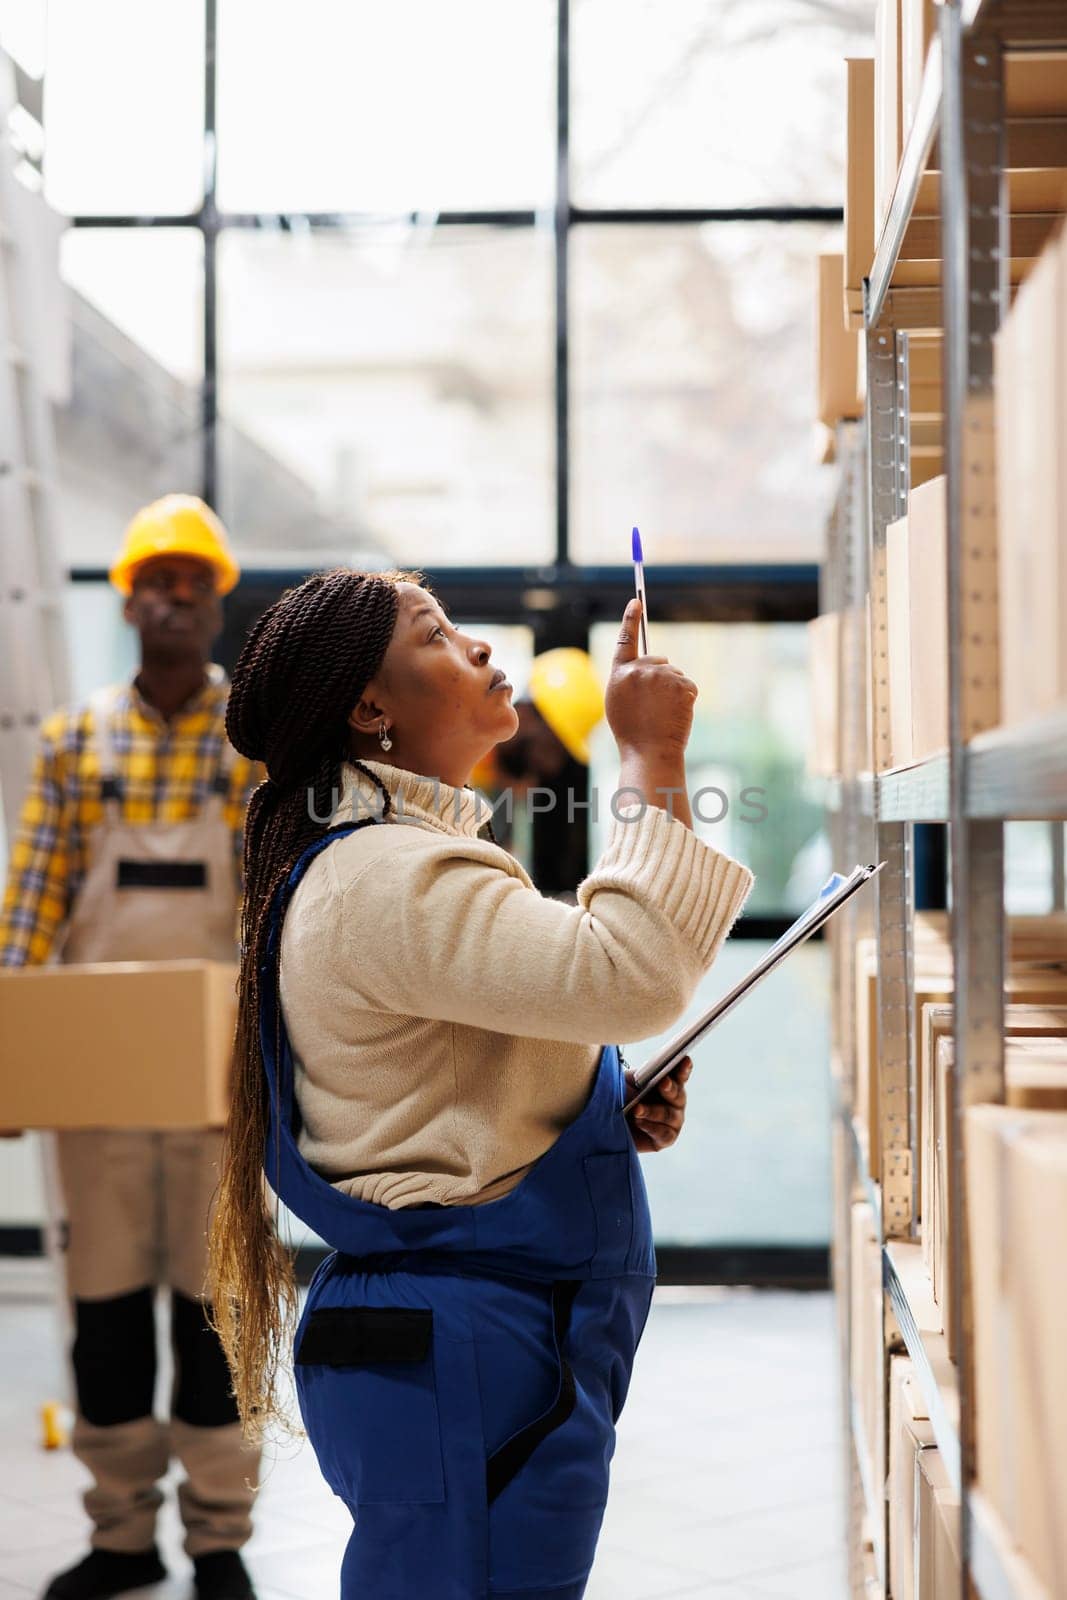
[[129, 848]]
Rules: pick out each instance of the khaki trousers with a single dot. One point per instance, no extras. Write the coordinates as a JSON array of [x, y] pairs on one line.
[[137, 1207]]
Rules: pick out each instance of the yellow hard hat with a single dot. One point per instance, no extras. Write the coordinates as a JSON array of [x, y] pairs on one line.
[[566, 691], [177, 525], [484, 774]]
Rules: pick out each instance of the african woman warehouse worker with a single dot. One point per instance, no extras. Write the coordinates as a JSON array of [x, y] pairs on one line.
[[421, 1063]]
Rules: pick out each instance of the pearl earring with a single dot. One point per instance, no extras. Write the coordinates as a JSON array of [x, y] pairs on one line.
[[383, 737]]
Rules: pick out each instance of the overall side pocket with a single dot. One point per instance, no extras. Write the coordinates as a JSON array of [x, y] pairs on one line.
[[368, 1394]]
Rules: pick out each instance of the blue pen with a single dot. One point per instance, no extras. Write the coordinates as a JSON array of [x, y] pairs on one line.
[[639, 581]]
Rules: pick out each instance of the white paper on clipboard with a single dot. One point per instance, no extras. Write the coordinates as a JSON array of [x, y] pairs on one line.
[[837, 889]]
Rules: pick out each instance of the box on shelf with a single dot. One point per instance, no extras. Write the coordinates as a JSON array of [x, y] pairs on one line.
[[926, 463], [1035, 84], [841, 1242], [1031, 419], [1035, 1078], [868, 705], [937, 1516], [840, 395], [1020, 1022], [917, 606], [125, 1044], [859, 185], [867, 1344], [918, 24], [910, 1433], [887, 106], [928, 617], [824, 753], [1029, 981], [898, 633], [1037, 1181], [1016, 1170]]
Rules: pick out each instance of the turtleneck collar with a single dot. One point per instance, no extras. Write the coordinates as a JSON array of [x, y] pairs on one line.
[[417, 801]]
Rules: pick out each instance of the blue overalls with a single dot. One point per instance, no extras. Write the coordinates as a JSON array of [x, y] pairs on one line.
[[460, 1369]]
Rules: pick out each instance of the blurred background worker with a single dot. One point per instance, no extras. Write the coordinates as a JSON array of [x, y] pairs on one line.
[[562, 705], [129, 848]]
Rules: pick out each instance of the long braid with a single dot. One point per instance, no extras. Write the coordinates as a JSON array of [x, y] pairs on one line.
[[303, 667]]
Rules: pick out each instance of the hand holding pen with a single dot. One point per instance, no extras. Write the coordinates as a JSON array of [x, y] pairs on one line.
[[639, 584]]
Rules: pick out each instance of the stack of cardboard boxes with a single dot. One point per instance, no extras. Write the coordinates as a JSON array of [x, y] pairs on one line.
[[924, 1508], [1031, 416], [1016, 1166], [1036, 976], [1035, 1070]]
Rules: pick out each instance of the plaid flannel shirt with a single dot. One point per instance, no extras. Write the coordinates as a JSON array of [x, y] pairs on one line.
[[165, 770]]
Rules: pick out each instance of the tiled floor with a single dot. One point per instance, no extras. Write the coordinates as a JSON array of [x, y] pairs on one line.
[[725, 1478]]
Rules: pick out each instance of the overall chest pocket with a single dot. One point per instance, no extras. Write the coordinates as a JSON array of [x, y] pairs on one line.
[[368, 1396]]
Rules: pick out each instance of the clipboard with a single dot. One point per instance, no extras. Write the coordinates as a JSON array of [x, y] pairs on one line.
[[836, 892]]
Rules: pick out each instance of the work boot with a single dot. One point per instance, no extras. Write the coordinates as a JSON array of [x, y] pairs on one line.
[[107, 1572], [222, 1575]]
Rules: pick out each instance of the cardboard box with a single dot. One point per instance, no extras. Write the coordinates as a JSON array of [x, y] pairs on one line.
[[868, 686], [859, 185], [855, 624], [1027, 983], [867, 1345], [1035, 85], [887, 106], [125, 1044], [898, 611], [1037, 1230], [824, 753], [1020, 1021], [1035, 1078], [1031, 418], [837, 350], [928, 618], [1016, 1169], [918, 23], [986, 1180], [910, 1433], [917, 604], [937, 1515]]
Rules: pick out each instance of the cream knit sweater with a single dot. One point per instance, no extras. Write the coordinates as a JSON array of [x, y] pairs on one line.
[[446, 1019]]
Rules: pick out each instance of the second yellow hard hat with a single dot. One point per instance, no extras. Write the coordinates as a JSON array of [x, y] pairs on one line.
[[566, 691], [179, 525]]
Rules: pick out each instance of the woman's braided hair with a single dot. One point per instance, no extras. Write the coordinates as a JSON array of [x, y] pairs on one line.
[[303, 667]]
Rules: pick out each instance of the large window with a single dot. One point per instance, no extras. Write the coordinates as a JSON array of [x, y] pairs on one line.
[[562, 248], [344, 105], [476, 285], [692, 378], [742, 100], [404, 377]]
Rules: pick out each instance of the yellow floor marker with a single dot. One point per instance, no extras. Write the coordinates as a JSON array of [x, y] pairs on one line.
[[53, 1430]]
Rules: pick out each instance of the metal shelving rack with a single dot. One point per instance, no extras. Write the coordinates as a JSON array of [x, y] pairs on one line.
[[982, 780]]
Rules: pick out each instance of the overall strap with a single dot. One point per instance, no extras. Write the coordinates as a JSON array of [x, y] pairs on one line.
[[270, 998], [514, 1453], [102, 706], [219, 792]]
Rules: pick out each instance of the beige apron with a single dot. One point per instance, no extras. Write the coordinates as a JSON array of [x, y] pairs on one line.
[[137, 1203]]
